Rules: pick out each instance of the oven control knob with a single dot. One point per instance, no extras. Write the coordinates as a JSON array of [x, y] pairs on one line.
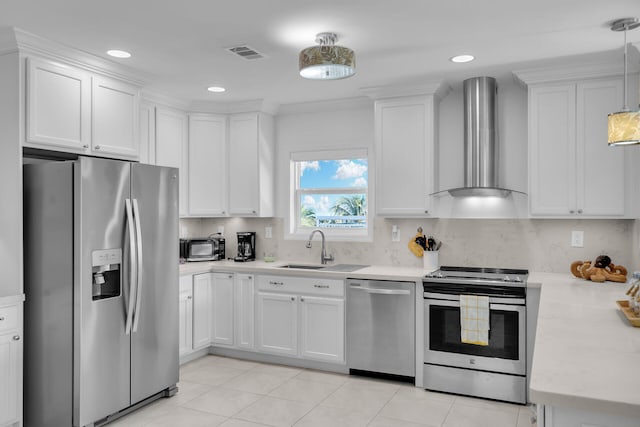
[[518, 279], [440, 275], [506, 279]]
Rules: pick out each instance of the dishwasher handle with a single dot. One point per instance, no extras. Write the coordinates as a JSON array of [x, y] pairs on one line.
[[381, 291]]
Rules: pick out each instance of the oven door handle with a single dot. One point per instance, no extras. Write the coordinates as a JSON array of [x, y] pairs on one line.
[[381, 291], [492, 306]]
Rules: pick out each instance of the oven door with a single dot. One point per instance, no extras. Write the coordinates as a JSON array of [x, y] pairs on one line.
[[507, 337]]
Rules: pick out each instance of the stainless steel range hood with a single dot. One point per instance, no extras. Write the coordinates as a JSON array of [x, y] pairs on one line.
[[480, 140]]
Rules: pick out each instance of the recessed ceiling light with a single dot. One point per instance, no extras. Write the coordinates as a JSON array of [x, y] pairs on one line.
[[462, 58], [216, 89], [119, 53]]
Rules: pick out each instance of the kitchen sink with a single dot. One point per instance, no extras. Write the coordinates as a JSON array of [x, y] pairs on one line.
[[337, 267], [304, 266]]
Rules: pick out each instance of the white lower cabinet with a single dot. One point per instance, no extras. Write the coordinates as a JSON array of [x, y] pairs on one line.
[[185, 315], [277, 323], [201, 310], [222, 308], [301, 316], [322, 328], [244, 310], [11, 365]]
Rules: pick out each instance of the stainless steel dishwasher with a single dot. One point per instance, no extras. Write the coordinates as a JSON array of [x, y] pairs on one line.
[[381, 326]]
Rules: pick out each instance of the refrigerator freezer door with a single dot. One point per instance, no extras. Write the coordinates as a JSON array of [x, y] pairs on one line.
[[102, 351], [154, 344]]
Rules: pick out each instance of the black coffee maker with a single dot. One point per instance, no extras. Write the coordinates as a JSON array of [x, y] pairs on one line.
[[246, 246]]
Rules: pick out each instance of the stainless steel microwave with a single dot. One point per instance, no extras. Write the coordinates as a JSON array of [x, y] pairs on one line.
[[203, 249]]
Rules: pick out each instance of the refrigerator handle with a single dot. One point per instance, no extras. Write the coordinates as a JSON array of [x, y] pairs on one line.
[[132, 266], [136, 313]]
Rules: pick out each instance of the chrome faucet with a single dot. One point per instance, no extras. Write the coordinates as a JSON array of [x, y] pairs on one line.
[[323, 255]]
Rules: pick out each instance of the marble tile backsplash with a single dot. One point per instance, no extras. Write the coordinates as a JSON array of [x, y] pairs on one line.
[[536, 244]]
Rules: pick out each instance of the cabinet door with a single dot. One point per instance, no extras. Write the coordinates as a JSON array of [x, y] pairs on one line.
[[244, 187], [244, 310], [10, 360], [601, 169], [171, 147], [277, 323], [552, 150], [405, 163], [207, 165], [185, 310], [115, 107], [201, 310], [322, 328], [58, 106], [222, 308]]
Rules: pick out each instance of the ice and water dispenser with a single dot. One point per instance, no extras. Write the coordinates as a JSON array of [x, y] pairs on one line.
[[106, 278]]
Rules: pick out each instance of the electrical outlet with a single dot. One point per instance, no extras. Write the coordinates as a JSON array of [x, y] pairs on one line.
[[268, 232], [395, 233], [221, 230], [577, 239]]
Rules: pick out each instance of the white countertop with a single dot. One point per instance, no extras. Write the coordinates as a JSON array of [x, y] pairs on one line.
[[375, 272], [587, 355]]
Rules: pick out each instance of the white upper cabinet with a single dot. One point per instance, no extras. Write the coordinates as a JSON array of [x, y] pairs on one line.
[[251, 163], [58, 106], [207, 165], [73, 110], [114, 118], [405, 156], [171, 147], [572, 170]]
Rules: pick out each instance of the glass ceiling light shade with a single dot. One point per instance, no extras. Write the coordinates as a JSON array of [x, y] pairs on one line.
[[624, 126], [327, 61]]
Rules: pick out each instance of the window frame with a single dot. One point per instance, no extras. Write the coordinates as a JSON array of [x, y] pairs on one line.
[[298, 232]]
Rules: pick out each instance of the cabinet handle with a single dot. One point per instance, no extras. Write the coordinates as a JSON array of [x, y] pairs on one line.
[[16, 337], [579, 211], [321, 286], [271, 282], [189, 297], [85, 146], [97, 147], [1, 318]]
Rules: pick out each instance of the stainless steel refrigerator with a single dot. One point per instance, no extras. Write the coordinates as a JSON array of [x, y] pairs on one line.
[[101, 284]]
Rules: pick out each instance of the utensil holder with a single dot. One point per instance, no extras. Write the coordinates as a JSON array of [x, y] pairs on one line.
[[430, 259]]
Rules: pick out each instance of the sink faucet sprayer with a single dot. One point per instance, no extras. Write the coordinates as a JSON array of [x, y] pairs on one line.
[[323, 255]]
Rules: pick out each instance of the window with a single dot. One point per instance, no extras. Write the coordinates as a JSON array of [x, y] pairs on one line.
[[330, 191]]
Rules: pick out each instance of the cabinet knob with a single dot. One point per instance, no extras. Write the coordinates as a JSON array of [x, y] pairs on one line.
[[254, 212], [189, 297], [293, 298], [571, 211], [579, 211], [230, 276], [249, 277], [1, 318], [85, 146], [97, 147], [224, 212], [16, 337], [301, 299], [426, 211]]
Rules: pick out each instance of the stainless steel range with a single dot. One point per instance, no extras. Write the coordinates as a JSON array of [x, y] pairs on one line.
[[496, 370]]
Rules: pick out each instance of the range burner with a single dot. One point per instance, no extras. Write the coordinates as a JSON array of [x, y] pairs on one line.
[[480, 273]]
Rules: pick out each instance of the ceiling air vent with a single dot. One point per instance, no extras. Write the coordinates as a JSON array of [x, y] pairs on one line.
[[245, 52]]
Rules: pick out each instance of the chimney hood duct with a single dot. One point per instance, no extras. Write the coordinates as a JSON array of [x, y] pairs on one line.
[[480, 140]]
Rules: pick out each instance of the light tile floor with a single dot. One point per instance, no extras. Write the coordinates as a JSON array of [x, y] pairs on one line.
[[225, 392]]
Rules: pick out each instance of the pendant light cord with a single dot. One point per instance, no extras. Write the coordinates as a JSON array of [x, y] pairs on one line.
[[624, 82]]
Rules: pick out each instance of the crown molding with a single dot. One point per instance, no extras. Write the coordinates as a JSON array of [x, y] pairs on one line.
[[574, 72], [438, 89], [324, 106], [254, 105], [17, 40], [152, 97]]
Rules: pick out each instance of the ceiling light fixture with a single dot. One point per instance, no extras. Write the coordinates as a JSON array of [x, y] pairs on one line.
[[327, 61], [119, 53], [624, 126], [216, 89], [462, 58]]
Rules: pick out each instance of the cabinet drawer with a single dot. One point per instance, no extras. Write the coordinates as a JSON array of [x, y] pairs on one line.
[[8, 318], [301, 285]]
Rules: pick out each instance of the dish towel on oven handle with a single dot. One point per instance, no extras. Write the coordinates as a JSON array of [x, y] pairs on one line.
[[474, 319]]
